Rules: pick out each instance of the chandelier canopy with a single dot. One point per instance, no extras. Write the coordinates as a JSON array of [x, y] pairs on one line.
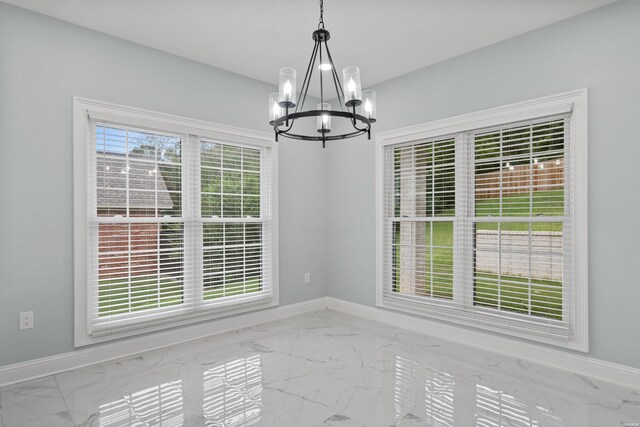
[[356, 107]]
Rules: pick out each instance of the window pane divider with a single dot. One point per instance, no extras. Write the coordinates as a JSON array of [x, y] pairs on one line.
[[463, 230], [423, 219], [193, 241], [233, 220], [516, 219], [137, 220]]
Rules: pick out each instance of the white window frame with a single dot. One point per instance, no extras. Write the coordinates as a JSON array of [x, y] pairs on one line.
[[573, 102], [191, 131]]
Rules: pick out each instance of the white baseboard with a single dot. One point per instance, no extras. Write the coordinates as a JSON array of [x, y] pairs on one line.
[[45, 366], [584, 365]]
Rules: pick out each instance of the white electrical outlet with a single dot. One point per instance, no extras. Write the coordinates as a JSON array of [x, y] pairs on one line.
[[26, 320], [307, 277]]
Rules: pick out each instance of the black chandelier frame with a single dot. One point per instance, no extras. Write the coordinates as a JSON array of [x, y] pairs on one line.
[[284, 125]]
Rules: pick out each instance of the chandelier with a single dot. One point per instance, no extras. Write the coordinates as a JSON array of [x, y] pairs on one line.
[[356, 107]]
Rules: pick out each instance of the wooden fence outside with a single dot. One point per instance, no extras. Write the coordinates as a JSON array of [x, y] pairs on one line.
[[543, 176]]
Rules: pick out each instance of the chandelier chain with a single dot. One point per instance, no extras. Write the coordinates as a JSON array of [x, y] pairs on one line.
[[321, 23]]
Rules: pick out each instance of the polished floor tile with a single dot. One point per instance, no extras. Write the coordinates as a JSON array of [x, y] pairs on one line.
[[319, 369], [34, 403]]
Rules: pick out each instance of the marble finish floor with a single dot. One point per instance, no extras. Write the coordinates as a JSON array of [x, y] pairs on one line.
[[319, 369]]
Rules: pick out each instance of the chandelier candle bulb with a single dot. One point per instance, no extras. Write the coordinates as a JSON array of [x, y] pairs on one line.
[[287, 88], [324, 120], [352, 87], [287, 91], [369, 104], [275, 110]]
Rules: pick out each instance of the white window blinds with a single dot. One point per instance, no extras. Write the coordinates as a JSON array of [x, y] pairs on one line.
[[421, 189], [235, 234], [477, 227], [521, 177], [138, 258], [178, 226]]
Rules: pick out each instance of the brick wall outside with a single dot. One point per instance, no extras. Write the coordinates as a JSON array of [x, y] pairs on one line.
[[116, 240]]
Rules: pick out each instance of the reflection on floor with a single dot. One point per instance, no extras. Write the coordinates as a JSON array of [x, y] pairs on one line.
[[319, 369]]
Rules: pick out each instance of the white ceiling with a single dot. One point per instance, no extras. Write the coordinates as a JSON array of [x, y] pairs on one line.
[[386, 38]]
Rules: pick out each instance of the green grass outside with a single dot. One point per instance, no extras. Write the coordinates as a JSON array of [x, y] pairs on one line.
[[439, 261], [546, 295], [146, 292], [513, 292], [547, 203], [251, 285], [544, 203], [150, 291]]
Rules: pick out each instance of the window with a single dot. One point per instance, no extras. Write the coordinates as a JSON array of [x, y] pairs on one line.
[[482, 220], [174, 221]]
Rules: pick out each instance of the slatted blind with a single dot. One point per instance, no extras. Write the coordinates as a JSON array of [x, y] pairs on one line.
[[522, 223], [476, 227], [235, 232], [421, 205], [180, 225]]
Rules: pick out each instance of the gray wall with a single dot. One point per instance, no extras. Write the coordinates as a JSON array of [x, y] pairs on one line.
[[43, 63], [599, 50]]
